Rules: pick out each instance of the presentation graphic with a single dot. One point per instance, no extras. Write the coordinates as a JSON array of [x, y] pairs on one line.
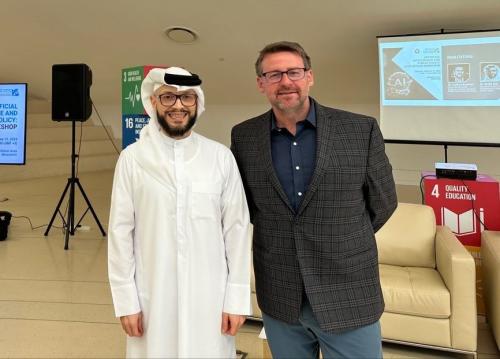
[[464, 223], [441, 72], [399, 84], [490, 71], [12, 123], [459, 72], [490, 77]]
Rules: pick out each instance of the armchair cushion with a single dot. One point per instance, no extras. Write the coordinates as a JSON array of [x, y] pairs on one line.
[[414, 291], [407, 239]]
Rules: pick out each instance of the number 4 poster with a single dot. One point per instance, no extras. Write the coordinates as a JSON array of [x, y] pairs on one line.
[[467, 208]]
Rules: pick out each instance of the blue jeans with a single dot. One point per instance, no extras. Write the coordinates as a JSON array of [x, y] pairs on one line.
[[304, 339]]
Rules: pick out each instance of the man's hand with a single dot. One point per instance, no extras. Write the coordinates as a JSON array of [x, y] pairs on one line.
[[132, 324], [231, 323]]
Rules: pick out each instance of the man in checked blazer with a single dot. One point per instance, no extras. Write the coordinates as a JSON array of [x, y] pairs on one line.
[[319, 185]]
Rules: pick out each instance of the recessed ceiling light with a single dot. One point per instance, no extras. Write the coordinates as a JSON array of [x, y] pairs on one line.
[[181, 35]]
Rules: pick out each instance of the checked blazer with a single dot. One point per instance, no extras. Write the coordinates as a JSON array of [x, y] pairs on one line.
[[327, 247]]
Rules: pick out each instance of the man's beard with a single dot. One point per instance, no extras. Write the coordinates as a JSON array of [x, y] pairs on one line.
[[290, 109], [176, 131]]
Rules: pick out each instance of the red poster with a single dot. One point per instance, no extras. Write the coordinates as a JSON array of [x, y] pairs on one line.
[[466, 207]]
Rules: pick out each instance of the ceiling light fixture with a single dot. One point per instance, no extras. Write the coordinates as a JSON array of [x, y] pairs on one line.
[[181, 35]]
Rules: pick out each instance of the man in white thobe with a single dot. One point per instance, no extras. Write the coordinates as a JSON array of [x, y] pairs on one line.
[[179, 249]]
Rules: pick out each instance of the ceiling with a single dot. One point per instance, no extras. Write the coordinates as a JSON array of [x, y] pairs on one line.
[[340, 37]]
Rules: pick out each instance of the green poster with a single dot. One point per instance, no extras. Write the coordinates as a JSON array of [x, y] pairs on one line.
[[131, 90]]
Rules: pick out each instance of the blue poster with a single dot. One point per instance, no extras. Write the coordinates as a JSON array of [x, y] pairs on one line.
[[131, 127], [13, 124]]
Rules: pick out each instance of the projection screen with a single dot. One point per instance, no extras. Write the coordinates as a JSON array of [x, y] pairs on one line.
[[443, 87]]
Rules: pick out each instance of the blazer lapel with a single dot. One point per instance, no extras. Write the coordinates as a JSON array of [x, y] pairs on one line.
[[324, 152], [264, 141]]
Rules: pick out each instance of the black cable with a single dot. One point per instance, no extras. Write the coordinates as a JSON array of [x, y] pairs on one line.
[[104, 127], [472, 195], [31, 224], [63, 216], [421, 187]]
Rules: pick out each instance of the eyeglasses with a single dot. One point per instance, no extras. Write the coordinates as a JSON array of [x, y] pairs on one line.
[[169, 99], [292, 74]]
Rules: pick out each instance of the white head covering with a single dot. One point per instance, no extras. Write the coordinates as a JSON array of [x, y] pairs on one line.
[[149, 151], [156, 78]]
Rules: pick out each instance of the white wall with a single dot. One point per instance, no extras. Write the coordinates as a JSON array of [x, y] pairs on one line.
[[111, 116], [217, 121]]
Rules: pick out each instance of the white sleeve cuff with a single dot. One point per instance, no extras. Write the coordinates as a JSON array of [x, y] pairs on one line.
[[125, 300], [237, 299]]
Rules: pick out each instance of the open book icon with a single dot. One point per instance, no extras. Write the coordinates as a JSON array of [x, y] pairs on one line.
[[463, 223]]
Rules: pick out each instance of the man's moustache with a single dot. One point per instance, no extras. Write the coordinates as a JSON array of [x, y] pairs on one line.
[[177, 111], [284, 88]]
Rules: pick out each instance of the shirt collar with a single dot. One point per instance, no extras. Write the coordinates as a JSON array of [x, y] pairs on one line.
[[170, 142], [311, 116]]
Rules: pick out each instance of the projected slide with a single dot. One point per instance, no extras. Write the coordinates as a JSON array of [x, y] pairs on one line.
[[441, 72], [12, 123]]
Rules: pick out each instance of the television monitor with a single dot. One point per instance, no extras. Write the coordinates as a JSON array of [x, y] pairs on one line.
[[13, 104]]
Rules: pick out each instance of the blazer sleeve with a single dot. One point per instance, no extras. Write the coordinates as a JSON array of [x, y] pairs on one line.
[[380, 190], [234, 148]]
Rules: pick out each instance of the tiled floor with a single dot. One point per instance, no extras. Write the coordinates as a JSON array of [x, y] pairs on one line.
[[57, 304]]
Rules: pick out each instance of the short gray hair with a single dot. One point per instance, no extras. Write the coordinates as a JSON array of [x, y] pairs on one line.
[[282, 46]]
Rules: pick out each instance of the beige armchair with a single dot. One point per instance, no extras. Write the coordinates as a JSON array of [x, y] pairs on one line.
[[428, 282], [490, 254]]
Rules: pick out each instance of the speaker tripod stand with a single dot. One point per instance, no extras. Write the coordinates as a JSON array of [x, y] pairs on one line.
[[69, 223]]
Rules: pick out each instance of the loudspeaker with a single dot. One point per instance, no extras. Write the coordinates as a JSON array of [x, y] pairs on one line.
[[4, 224], [71, 92]]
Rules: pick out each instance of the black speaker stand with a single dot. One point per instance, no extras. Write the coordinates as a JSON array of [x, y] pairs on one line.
[[69, 223]]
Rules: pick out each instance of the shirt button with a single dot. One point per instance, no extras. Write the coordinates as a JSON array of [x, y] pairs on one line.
[[295, 143], [297, 168], [300, 194]]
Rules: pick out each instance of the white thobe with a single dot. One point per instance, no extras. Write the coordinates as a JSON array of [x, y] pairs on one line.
[[179, 249]]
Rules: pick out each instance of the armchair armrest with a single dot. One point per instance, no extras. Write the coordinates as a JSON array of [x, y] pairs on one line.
[[490, 257], [457, 268]]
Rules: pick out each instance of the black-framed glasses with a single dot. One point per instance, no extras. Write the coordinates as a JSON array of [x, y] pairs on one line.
[[169, 99], [294, 74]]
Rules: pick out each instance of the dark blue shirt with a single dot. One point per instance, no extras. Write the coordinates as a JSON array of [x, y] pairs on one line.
[[294, 156]]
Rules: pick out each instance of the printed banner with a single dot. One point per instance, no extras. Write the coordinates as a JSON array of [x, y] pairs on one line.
[[131, 127], [13, 123], [134, 116], [467, 208]]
